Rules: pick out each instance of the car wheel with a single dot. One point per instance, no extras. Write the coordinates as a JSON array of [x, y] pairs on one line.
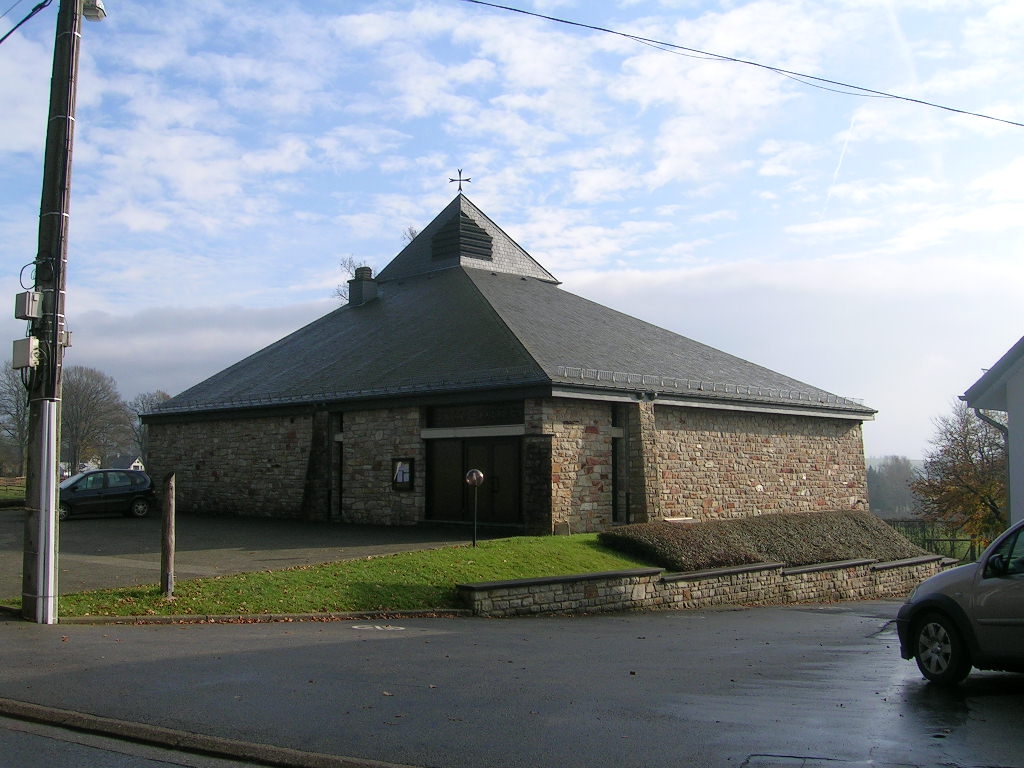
[[139, 508], [63, 511], [939, 651]]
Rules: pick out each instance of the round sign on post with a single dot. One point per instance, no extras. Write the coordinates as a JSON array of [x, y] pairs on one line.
[[474, 479]]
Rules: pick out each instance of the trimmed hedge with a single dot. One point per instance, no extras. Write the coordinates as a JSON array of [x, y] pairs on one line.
[[795, 539]]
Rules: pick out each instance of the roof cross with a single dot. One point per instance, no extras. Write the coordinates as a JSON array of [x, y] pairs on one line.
[[460, 180]]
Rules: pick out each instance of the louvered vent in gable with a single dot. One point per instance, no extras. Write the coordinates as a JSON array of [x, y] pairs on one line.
[[461, 236]]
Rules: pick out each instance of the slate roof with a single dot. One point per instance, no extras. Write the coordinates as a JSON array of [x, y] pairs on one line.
[[462, 309], [431, 250], [989, 392]]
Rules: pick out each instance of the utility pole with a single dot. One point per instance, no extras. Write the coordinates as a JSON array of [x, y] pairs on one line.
[[48, 335]]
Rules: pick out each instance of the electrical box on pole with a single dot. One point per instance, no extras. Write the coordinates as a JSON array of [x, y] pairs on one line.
[[28, 305], [26, 353]]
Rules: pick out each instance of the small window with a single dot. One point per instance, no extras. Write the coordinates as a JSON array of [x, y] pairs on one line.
[[402, 474], [92, 482]]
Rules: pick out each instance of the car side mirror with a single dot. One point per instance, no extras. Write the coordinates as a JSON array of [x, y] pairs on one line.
[[996, 566]]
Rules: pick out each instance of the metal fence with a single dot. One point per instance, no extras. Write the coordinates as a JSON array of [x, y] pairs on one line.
[[940, 539]]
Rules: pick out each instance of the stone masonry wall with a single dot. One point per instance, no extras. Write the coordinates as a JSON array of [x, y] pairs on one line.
[[371, 439], [651, 588], [249, 467], [645, 470], [725, 464], [581, 461], [280, 466]]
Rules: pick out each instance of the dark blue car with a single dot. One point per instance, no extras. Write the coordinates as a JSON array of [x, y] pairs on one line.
[[123, 491]]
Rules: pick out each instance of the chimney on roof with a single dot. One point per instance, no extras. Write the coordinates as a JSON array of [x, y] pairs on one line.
[[362, 287]]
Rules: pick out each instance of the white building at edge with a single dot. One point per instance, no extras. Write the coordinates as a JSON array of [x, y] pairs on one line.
[[1002, 389]]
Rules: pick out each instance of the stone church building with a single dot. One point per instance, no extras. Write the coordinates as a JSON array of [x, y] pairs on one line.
[[463, 353]]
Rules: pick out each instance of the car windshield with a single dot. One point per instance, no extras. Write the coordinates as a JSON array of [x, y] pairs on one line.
[[72, 480]]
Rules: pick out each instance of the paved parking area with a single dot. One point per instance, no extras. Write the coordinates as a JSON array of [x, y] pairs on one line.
[[800, 686], [112, 551]]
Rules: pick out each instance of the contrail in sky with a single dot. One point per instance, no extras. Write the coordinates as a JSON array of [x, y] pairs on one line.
[[839, 165]]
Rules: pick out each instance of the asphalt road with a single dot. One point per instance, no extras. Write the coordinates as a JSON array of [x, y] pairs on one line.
[[783, 687]]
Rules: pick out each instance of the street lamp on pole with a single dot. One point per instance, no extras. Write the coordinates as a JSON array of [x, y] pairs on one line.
[[43, 354]]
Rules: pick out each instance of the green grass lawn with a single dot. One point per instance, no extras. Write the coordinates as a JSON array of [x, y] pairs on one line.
[[409, 581], [426, 580]]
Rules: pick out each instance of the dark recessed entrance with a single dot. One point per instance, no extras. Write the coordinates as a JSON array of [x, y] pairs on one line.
[[449, 499]]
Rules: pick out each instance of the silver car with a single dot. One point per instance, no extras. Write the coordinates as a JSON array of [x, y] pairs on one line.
[[969, 616]]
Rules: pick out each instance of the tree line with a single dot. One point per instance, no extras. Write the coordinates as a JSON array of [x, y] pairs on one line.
[[96, 424], [962, 483]]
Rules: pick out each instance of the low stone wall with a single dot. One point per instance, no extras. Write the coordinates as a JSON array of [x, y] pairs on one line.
[[653, 588]]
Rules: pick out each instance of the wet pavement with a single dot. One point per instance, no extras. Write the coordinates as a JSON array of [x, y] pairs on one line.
[[782, 687], [805, 686]]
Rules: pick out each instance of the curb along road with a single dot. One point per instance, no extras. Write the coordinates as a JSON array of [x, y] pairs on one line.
[[182, 741]]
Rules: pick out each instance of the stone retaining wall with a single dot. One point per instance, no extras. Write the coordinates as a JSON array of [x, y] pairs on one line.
[[653, 588]]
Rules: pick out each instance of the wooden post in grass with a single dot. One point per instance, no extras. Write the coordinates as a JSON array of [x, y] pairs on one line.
[[167, 547]]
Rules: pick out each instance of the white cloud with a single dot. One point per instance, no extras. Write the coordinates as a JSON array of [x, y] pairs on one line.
[[865, 191], [1003, 184], [24, 95], [844, 227], [786, 158]]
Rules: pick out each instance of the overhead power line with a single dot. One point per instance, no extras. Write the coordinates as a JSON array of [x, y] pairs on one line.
[[31, 13], [811, 80]]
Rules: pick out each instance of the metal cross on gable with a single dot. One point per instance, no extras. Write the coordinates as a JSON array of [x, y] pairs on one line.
[[460, 180]]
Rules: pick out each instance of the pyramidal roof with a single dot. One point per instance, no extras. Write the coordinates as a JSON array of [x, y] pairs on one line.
[[463, 236], [463, 309]]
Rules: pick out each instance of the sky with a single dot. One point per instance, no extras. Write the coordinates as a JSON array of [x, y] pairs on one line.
[[229, 156]]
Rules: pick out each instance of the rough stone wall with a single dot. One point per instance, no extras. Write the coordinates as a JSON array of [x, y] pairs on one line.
[[856, 581], [536, 485], [684, 462], [581, 461], [371, 439], [249, 467], [645, 466], [759, 584], [651, 589], [286, 466], [725, 464]]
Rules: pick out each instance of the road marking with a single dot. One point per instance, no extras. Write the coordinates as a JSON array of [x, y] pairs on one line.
[[381, 627]]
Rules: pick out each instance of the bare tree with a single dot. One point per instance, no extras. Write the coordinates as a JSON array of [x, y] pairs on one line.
[[140, 404], [349, 264], [94, 418], [14, 417], [964, 483], [348, 267]]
